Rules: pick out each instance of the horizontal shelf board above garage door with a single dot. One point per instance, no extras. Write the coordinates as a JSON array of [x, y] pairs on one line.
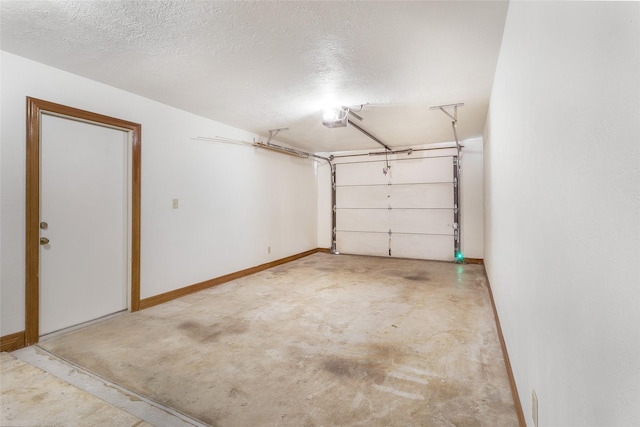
[[434, 247], [420, 170], [397, 196], [427, 221]]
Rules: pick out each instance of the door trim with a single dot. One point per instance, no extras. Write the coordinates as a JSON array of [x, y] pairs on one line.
[[35, 109]]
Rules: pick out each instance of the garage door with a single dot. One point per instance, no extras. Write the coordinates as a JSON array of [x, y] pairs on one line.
[[400, 208]]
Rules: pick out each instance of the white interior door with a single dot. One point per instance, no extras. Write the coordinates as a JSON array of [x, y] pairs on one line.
[[406, 212], [83, 191]]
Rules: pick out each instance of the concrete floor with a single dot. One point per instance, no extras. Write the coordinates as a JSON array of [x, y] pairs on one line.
[[39, 389], [26, 390], [323, 341]]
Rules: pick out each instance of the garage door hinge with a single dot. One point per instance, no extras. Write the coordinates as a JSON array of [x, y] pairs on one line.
[[335, 208]]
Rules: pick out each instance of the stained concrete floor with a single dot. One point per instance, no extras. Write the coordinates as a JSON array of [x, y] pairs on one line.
[[26, 390], [39, 389], [323, 341]]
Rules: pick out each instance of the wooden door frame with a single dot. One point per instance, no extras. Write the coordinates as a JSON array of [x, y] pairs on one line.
[[35, 109]]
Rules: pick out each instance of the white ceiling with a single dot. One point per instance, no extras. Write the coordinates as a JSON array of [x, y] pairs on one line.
[[266, 65]]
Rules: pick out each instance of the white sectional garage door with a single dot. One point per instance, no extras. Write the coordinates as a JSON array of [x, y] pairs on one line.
[[406, 213]]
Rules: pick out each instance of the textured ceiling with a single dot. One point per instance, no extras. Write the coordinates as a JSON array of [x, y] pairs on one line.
[[267, 65]]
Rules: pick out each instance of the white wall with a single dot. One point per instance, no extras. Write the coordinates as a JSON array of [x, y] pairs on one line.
[[562, 208], [471, 183], [470, 196], [324, 205], [235, 200]]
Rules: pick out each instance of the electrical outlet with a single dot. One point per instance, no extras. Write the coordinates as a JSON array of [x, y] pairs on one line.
[[268, 249], [174, 204], [534, 408]]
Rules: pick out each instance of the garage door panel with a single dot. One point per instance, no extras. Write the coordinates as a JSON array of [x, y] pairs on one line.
[[421, 221], [375, 196], [363, 220], [418, 246], [439, 169], [402, 196], [376, 244], [367, 173], [415, 201], [421, 196]]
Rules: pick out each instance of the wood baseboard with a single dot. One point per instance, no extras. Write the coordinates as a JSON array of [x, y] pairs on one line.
[[177, 293], [505, 354], [16, 341], [12, 342], [478, 261]]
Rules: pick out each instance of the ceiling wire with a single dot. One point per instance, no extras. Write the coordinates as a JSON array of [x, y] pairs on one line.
[[266, 145]]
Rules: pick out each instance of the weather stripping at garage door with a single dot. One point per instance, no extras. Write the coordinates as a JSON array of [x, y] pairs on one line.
[[398, 207]]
